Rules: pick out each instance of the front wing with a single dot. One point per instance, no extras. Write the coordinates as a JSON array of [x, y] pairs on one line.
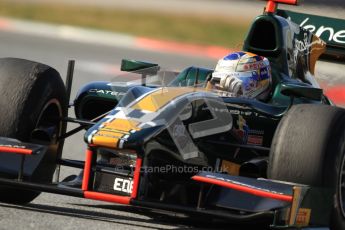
[[242, 199]]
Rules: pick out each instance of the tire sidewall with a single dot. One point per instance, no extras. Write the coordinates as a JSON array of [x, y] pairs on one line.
[[321, 165], [43, 91], [332, 171]]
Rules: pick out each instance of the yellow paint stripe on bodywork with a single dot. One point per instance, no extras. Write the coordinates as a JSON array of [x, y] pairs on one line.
[[105, 133], [156, 100], [111, 132], [114, 130], [122, 125], [105, 141]]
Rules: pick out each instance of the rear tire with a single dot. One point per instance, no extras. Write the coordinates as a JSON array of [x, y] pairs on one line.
[[31, 95], [309, 148]]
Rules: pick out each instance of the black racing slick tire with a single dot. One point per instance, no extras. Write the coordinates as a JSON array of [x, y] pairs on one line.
[[32, 95], [309, 148]]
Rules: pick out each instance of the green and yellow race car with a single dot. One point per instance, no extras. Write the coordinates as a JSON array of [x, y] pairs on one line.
[[164, 140]]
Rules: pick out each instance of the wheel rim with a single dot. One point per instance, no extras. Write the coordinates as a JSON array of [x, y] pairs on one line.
[[342, 186], [50, 116], [50, 126]]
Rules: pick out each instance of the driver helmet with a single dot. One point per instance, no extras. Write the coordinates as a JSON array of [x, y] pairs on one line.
[[243, 74]]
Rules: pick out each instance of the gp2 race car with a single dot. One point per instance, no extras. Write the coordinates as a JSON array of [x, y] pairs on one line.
[[182, 147]]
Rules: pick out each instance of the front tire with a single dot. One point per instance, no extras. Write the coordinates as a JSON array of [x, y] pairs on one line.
[[309, 148], [32, 95]]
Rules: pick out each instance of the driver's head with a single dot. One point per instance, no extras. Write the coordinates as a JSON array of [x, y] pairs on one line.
[[243, 74]]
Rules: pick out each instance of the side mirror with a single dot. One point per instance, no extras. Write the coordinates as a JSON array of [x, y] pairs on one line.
[[140, 67], [136, 66], [290, 89]]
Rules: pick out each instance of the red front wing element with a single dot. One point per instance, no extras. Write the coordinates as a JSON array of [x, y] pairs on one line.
[[136, 178], [6, 149], [87, 170], [255, 188], [103, 196], [107, 197]]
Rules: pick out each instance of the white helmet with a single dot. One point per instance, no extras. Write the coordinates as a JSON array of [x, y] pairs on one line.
[[244, 74]]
